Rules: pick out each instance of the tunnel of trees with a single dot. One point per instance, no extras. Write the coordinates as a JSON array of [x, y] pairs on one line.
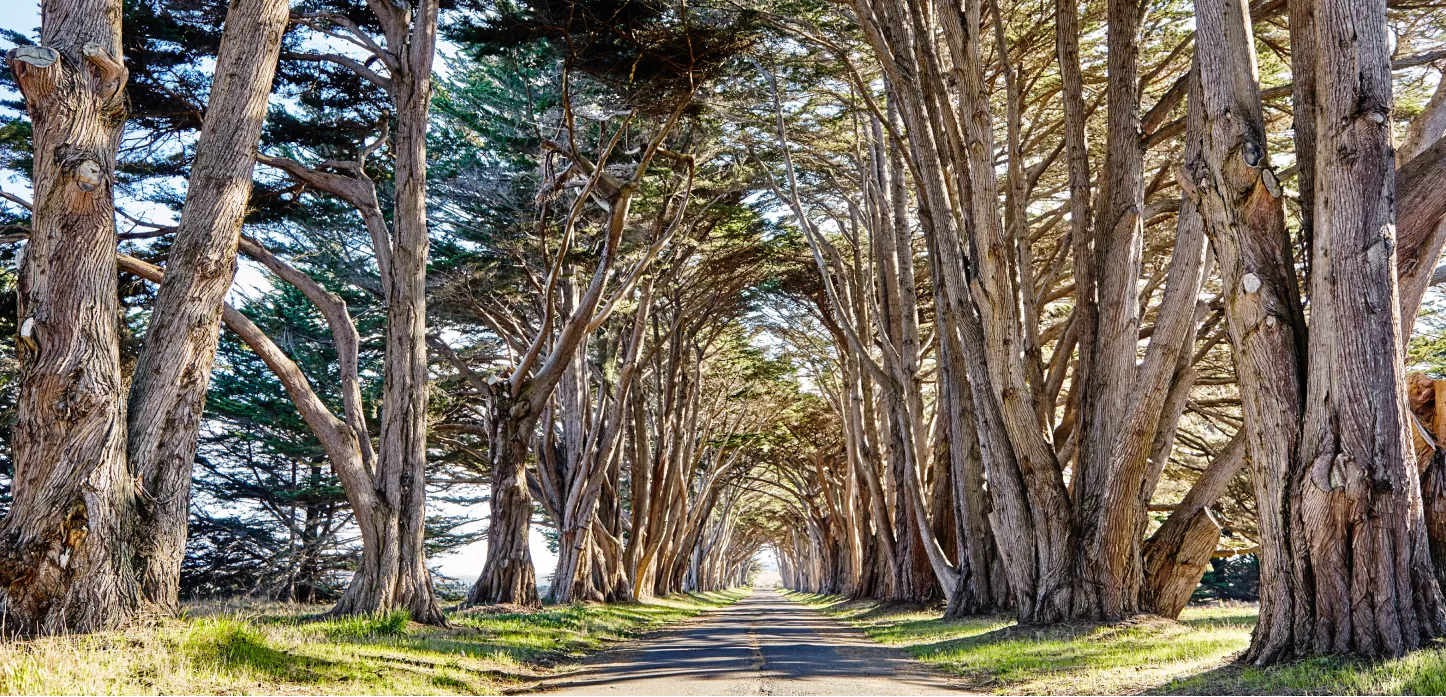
[[1024, 307]]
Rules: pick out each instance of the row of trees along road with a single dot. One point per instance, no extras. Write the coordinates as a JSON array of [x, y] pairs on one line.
[[1100, 222], [1022, 306]]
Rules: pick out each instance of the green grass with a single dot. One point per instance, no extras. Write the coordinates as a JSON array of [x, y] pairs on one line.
[[1419, 673], [281, 649], [1145, 655]]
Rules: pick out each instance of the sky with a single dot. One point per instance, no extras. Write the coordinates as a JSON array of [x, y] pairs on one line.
[[20, 15]]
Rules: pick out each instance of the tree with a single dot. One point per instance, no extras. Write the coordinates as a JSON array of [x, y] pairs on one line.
[[66, 566], [387, 494], [667, 61], [1321, 462], [273, 519], [73, 86], [168, 390]]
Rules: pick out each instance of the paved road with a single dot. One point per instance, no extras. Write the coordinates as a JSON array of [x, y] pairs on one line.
[[764, 644]]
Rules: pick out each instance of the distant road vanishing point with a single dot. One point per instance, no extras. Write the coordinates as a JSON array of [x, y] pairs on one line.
[[762, 645]]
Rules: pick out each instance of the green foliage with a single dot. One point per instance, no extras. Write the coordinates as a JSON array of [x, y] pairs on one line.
[[270, 514], [271, 518], [1427, 350], [1230, 578], [649, 55]]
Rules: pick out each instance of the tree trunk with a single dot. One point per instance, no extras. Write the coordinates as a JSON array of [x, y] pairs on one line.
[[1433, 495], [64, 557], [1357, 533], [399, 578], [1177, 555], [508, 575], [1420, 226], [982, 587], [1344, 561], [916, 582], [572, 580], [1305, 110], [376, 575], [591, 461], [168, 390], [1262, 302]]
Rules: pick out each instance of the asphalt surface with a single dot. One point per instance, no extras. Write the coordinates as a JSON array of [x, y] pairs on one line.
[[763, 644]]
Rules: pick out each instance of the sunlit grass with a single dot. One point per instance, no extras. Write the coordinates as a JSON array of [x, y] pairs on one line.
[[272, 648], [1420, 673], [1145, 655], [994, 654]]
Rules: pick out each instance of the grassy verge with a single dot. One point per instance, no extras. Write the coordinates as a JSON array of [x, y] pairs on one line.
[[1144, 655], [280, 649]]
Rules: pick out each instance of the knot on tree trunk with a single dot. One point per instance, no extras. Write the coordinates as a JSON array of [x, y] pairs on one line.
[[75, 527]]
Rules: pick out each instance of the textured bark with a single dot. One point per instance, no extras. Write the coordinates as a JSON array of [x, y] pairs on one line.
[[594, 460], [346, 450], [508, 576], [1177, 555], [845, 314], [1433, 495], [1305, 110], [1029, 514], [1032, 514], [1366, 583], [395, 573], [983, 587], [641, 484], [1344, 563], [1122, 406], [1171, 586], [1114, 519], [402, 450], [917, 553], [564, 474], [348, 446], [1245, 217], [1420, 230], [1169, 574], [921, 558], [1425, 130], [1105, 574], [64, 562], [1086, 551], [1081, 224], [168, 389]]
